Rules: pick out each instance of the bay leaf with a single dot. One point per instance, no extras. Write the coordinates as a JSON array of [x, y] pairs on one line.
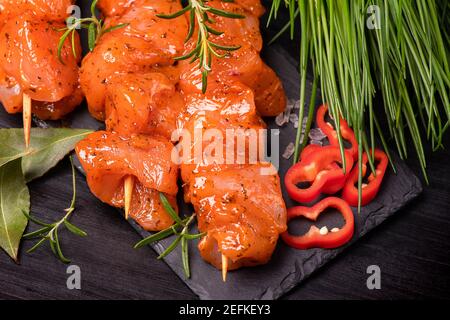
[[12, 145], [14, 198], [48, 147]]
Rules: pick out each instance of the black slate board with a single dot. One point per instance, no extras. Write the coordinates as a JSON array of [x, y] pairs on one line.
[[288, 266]]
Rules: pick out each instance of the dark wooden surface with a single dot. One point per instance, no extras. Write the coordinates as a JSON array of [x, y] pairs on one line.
[[412, 249]]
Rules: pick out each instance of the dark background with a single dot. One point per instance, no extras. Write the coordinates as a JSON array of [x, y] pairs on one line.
[[412, 248]]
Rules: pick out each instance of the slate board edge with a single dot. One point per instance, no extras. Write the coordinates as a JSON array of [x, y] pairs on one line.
[[298, 277], [371, 223]]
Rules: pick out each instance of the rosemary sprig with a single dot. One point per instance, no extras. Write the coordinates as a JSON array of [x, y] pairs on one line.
[[205, 49], [180, 229], [49, 231], [96, 28]]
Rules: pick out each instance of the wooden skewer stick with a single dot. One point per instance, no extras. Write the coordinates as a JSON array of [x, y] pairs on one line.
[[128, 193], [224, 268], [26, 119]]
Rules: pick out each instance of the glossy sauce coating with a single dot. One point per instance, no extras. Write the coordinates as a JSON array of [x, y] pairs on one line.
[[239, 206], [239, 203], [108, 159], [147, 210], [115, 7], [29, 64], [143, 103], [244, 65], [49, 10], [253, 6], [228, 111], [147, 42], [243, 212]]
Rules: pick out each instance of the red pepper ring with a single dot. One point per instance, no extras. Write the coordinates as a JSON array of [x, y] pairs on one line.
[[319, 169], [346, 132], [311, 148], [314, 238], [370, 190]]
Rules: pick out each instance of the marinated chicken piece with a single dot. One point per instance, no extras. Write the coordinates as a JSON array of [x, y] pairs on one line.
[[270, 97], [147, 209], [226, 121], [143, 103], [49, 10], [147, 42], [244, 65], [29, 65], [115, 7], [242, 212], [59, 109], [241, 65], [108, 159], [253, 6], [236, 32]]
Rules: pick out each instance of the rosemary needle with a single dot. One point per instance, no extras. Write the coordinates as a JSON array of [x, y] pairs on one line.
[[49, 231], [96, 28], [180, 229], [205, 49]]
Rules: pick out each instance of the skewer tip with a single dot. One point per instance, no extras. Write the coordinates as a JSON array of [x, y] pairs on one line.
[[128, 194], [224, 268], [26, 119]]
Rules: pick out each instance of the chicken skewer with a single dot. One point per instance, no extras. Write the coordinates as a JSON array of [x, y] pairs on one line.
[[128, 194], [26, 119], [134, 49], [240, 66], [224, 267], [28, 81], [260, 207]]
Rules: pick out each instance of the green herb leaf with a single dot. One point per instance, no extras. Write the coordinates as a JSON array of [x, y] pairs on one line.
[[14, 198], [92, 36], [170, 248], [50, 231], [119, 26], [61, 44], [48, 147], [37, 245], [155, 237], [74, 229], [37, 233], [12, 145], [205, 49], [225, 14], [176, 14], [168, 207], [185, 257], [58, 248], [35, 220], [194, 236]]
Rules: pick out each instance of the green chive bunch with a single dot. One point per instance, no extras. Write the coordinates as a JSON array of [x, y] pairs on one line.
[[405, 59]]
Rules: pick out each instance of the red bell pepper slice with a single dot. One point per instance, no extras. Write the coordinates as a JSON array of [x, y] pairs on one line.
[[346, 132], [314, 238], [310, 148], [318, 168], [369, 190]]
